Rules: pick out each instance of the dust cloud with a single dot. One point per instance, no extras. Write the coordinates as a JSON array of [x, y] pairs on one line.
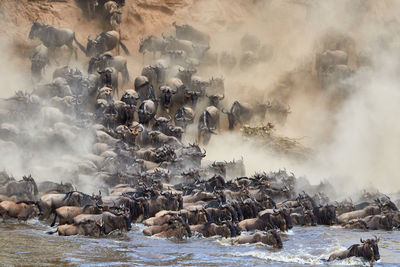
[[354, 136]]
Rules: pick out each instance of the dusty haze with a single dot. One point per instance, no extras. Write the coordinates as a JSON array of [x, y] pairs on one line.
[[354, 139]]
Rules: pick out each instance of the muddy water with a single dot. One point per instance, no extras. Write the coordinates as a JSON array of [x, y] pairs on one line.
[[28, 245]]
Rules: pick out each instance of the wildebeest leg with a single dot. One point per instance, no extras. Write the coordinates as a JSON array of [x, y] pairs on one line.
[[52, 53], [55, 218], [72, 49]]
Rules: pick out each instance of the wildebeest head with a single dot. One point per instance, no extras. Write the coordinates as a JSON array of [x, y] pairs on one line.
[[167, 93], [192, 96], [36, 26], [130, 97], [214, 99], [161, 124], [276, 239], [372, 246], [176, 131], [184, 116]]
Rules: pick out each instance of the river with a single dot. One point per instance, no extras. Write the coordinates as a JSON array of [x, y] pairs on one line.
[[27, 244]]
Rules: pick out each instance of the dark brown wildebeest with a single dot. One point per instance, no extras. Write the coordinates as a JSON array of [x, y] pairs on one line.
[[53, 37], [243, 112], [187, 32], [104, 42], [368, 251], [25, 189], [271, 238], [208, 123], [50, 202], [211, 229], [107, 60], [89, 229], [39, 60], [66, 214], [22, 210], [110, 221], [147, 111], [325, 215], [358, 214], [152, 44], [184, 116]]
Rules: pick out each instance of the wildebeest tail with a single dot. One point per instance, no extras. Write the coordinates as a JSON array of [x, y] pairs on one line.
[[124, 48], [52, 232], [81, 47]]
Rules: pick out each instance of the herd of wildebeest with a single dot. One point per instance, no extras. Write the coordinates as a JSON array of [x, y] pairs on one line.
[[141, 150]]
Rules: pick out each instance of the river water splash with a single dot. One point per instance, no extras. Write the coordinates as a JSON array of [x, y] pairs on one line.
[[28, 244]]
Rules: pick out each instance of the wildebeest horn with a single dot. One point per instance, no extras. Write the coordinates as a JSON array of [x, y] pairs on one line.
[[223, 110], [362, 241], [169, 117]]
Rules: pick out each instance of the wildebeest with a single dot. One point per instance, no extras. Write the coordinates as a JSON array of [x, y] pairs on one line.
[[50, 202], [26, 189], [105, 60], [159, 139], [22, 210], [88, 229], [379, 222], [108, 78], [147, 111], [48, 187], [166, 97], [368, 251], [243, 112], [208, 123], [104, 42], [358, 214], [184, 116], [144, 88], [113, 14], [211, 229], [39, 60], [152, 44], [215, 99], [110, 221], [175, 44], [271, 238], [325, 215], [53, 37], [66, 214], [187, 32], [155, 73]]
